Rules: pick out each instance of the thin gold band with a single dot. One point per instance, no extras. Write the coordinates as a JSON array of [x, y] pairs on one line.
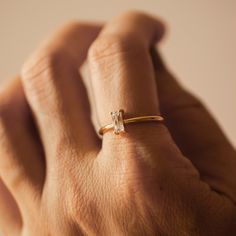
[[138, 119]]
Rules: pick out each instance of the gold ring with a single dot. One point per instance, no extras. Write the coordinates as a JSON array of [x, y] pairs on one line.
[[118, 122]]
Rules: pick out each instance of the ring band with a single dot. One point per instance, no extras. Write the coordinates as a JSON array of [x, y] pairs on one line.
[[118, 122]]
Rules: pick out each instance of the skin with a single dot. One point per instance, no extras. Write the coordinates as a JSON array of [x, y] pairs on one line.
[[59, 178]]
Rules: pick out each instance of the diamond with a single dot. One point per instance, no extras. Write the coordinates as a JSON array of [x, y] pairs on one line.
[[118, 122]]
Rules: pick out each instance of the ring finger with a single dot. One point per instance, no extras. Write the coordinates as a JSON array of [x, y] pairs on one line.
[[121, 68]]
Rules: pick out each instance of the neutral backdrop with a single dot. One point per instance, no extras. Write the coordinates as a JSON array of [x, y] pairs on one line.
[[200, 46]]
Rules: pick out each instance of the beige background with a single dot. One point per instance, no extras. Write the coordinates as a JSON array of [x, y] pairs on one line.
[[200, 46]]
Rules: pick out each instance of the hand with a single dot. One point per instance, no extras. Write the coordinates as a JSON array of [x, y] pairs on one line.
[[59, 178]]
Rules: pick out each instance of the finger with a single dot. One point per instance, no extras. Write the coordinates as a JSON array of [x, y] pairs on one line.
[[10, 221], [195, 131], [21, 157], [55, 90], [123, 77], [121, 68]]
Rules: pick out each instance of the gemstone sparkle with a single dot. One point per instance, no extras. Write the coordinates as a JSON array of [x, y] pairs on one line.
[[118, 122]]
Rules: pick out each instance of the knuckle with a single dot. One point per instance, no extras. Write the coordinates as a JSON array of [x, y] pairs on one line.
[[41, 62], [112, 45], [39, 76], [133, 15], [74, 26]]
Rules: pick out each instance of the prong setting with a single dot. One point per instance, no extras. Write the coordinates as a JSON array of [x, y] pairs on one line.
[[118, 121]]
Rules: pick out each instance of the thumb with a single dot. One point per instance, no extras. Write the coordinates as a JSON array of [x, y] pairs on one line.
[[196, 132]]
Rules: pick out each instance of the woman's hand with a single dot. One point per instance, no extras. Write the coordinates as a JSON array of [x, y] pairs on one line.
[[59, 178]]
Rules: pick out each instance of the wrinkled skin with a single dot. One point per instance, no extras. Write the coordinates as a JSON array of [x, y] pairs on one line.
[[59, 178]]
